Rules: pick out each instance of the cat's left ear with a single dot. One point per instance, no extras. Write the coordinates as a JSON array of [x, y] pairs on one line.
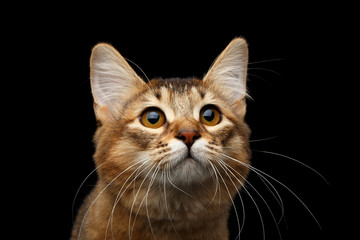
[[228, 72]]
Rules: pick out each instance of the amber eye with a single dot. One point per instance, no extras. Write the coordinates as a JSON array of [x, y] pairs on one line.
[[210, 116], [153, 118]]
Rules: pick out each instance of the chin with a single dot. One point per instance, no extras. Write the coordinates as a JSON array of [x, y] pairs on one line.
[[188, 172]]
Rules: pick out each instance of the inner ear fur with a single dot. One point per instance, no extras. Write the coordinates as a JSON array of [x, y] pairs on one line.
[[113, 80]]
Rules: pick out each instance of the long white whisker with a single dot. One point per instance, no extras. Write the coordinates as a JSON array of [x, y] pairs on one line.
[[263, 179], [265, 69], [295, 160], [117, 199], [266, 182], [87, 212], [270, 60], [146, 198], [166, 203], [226, 169], [77, 192], [258, 171], [122, 192], [276, 195], [172, 184], [262, 139], [138, 68], [252, 199], [132, 206], [227, 189], [217, 185]]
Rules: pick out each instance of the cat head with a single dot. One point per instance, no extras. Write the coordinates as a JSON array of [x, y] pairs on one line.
[[191, 129]]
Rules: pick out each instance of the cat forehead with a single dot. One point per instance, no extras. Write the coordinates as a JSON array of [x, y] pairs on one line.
[[179, 85], [178, 97], [180, 94]]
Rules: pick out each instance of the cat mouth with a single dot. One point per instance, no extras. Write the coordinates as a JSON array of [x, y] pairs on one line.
[[189, 159]]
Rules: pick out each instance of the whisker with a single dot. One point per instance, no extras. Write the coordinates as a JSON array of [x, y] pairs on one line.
[[253, 200], [217, 185], [172, 184], [265, 69], [295, 160], [87, 212], [132, 206], [117, 199], [166, 203], [121, 193], [238, 193], [138, 68], [81, 185], [86, 178], [253, 75], [258, 171], [227, 189], [270, 60], [290, 158], [146, 198], [142, 201], [262, 139], [276, 195], [255, 204]]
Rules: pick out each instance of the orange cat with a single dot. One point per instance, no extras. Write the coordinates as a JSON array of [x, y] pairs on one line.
[[171, 154]]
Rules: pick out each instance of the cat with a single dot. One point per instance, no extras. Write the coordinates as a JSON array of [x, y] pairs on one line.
[[171, 154]]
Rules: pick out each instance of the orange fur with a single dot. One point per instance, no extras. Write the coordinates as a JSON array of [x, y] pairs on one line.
[[144, 190]]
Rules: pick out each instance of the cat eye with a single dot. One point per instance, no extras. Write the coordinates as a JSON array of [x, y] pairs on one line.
[[210, 116], [153, 118]]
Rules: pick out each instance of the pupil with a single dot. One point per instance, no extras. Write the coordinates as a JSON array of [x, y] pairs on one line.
[[209, 115], [153, 117]]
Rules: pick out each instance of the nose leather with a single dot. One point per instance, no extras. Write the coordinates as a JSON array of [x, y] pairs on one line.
[[188, 136]]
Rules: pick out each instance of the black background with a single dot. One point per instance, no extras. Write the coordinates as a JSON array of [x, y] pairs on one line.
[[294, 81]]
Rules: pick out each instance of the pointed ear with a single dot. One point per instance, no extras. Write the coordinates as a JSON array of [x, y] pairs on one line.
[[228, 72], [112, 80]]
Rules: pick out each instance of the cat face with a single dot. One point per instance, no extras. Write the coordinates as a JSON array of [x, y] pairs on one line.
[[188, 130]]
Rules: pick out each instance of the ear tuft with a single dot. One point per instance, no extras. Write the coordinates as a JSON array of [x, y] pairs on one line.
[[228, 72], [112, 78]]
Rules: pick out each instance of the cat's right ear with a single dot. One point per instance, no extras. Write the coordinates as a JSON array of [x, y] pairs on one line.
[[112, 81]]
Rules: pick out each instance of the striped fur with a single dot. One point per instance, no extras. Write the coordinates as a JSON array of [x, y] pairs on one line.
[[147, 186]]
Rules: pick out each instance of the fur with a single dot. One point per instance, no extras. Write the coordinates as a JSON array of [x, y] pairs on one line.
[[148, 186]]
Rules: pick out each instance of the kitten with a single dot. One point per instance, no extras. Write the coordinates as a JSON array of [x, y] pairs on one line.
[[171, 154]]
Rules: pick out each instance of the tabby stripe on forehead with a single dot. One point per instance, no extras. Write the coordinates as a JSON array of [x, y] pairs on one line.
[[158, 95]]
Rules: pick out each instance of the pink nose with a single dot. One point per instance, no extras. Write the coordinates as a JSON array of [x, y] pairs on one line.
[[188, 136]]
